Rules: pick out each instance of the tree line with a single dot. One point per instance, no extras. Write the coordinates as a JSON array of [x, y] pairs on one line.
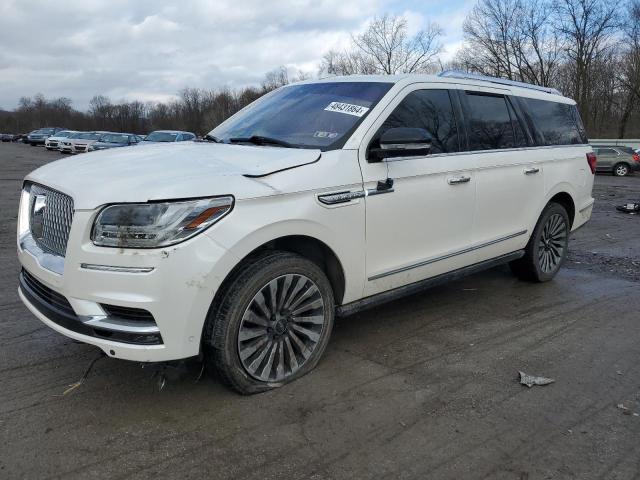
[[587, 49]]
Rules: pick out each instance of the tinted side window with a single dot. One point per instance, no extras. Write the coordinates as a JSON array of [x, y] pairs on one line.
[[431, 110], [489, 122], [559, 123]]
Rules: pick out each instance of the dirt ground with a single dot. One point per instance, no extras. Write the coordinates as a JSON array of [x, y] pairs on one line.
[[424, 387]]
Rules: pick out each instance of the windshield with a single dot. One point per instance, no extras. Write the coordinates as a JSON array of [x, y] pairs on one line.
[[114, 138], [315, 115], [76, 135], [64, 134], [45, 130], [161, 137]]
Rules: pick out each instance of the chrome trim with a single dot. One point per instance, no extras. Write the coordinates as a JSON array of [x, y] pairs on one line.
[[341, 197], [459, 180], [495, 150], [116, 324], [374, 191], [405, 146], [48, 261], [500, 81], [444, 257], [110, 268]]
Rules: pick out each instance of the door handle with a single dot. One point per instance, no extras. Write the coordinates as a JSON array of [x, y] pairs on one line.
[[458, 180], [531, 170]]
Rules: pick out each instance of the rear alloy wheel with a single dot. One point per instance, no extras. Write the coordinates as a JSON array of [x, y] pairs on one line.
[[270, 324], [553, 243], [621, 170], [547, 247]]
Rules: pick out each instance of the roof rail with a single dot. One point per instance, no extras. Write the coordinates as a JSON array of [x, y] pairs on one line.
[[501, 81]]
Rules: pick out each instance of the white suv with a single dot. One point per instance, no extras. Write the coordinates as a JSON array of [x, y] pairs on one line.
[[319, 199]]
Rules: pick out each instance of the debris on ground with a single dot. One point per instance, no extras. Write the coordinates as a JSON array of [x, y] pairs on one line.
[[631, 208], [531, 380], [73, 386], [624, 409]]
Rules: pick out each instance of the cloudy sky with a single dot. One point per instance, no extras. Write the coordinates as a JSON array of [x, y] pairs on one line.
[[150, 49]]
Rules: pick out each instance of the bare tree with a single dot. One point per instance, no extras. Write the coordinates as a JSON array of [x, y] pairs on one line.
[[512, 39], [588, 27], [386, 47]]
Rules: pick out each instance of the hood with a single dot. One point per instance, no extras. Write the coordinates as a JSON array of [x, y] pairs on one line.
[[169, 171]]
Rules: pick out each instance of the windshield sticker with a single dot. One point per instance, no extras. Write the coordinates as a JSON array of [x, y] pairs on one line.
[[320, 134], [348, 108]]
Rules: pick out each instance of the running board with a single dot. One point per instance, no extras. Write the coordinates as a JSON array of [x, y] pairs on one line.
[[396, 293]]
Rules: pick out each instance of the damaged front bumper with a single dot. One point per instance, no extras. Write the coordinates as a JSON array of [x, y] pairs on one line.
[[141, 305]]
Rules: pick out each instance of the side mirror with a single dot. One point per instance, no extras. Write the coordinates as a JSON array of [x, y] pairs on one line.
[[403, 142]]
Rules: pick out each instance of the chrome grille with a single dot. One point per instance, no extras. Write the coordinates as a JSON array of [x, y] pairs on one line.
[[56, 219]]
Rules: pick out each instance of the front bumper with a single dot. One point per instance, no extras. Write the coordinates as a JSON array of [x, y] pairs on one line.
[[175, 285]]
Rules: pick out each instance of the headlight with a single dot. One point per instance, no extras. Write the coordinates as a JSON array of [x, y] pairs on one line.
[[153, 225]]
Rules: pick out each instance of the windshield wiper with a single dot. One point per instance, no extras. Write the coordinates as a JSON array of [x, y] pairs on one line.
[[260, 140], [211, 138]]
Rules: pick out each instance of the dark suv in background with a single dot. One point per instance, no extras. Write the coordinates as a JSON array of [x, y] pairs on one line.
[[619, 160], [38, 137]]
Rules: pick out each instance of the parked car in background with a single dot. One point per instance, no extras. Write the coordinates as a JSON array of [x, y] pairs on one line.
[[38, 137], [78, 142], [7, 137], [53, 142], [621, 161], [169, 136], [112, 140], [329, 197]]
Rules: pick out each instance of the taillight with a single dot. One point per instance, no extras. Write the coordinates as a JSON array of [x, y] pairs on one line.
[[636, 157], [592, 160]]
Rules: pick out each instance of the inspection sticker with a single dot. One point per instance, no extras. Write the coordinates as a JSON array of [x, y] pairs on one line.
[[348, 108]]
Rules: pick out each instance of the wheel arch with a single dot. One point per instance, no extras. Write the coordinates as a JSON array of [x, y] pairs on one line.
[[565, 195], [623, 162], [304, 245], [566, 200]]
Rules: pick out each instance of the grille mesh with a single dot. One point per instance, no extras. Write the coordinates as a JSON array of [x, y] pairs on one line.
[[56, 221]]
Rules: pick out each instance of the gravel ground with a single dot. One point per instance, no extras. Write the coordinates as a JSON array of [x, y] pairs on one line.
[[424, 387]]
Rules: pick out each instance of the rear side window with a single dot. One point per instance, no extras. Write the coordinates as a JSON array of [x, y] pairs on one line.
[[489, 123], [431, 110], [559, 123]]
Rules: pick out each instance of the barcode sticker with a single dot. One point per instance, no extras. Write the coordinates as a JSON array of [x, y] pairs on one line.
[[348, 108]]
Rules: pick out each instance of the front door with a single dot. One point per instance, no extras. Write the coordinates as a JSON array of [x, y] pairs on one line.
[[421, 225]]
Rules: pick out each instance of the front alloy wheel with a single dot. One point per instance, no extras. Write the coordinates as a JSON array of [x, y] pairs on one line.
[[270, 322], [281, 328]]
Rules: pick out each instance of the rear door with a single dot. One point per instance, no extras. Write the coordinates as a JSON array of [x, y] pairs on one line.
[[509, 177]]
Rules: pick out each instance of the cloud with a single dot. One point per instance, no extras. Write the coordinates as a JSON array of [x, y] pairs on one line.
[[150, 49]]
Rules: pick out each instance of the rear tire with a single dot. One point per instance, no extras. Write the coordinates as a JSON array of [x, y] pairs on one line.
[[271, 323], [621, 170], [547, 248]]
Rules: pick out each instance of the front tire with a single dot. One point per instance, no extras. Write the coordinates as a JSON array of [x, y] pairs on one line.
[[547, 248], [621, 170], [271, 323]]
